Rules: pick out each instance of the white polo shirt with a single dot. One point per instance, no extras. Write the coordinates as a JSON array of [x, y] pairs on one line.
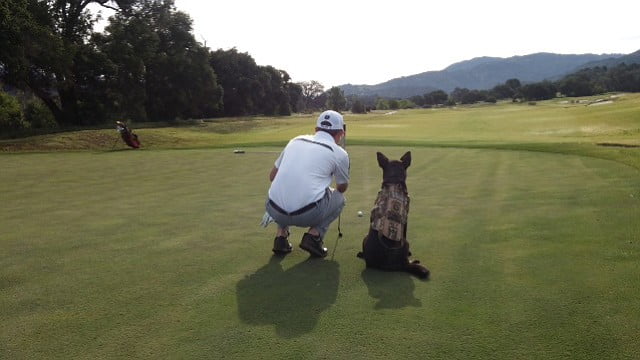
[[306, 167]]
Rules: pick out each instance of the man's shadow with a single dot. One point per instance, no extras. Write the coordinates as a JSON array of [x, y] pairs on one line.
[[393, 290], [292, 300]]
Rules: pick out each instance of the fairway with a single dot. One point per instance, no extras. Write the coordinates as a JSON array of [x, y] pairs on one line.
[[159, 254]]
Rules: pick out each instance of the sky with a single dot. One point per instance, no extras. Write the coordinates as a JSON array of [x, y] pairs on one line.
[[368, 42]]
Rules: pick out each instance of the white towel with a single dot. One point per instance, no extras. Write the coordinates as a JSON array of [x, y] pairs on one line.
[[266, 219]]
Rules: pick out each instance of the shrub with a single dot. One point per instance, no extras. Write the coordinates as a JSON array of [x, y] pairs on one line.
[[38, 115], [382, 104], [11, 117], [358, 107]]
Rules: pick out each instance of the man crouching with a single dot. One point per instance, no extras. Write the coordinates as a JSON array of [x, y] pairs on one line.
[[300, 192]]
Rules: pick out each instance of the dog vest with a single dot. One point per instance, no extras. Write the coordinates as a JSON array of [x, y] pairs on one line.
[[390, 212]]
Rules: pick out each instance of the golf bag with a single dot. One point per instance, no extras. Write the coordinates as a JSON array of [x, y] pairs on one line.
[[128, 136]]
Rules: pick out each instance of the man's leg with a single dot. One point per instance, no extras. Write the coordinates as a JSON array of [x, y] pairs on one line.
[[330, 207], [319, 219], [282, 231], [281, 244]]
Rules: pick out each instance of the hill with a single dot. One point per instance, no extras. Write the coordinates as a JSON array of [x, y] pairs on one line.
[[633, 58], [480, 73]]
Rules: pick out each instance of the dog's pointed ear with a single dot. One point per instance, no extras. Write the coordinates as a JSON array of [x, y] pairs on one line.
[[382, 160], [406, 159]]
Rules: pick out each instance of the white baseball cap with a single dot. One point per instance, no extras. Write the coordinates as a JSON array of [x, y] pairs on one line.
[[330, 120]]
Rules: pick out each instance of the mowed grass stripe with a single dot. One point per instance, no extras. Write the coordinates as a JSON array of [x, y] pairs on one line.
[[159, 254]]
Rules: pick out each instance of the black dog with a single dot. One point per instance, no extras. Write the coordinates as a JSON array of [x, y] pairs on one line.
[[386, 246]]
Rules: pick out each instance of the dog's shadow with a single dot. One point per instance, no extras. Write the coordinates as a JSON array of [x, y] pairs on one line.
[[291, 299], [393, 290]]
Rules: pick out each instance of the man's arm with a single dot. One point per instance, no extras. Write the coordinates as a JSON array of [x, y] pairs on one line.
[[272, 174], [342, 187]]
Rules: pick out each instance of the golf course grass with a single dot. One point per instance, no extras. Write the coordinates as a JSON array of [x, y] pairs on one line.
[[526, 215]]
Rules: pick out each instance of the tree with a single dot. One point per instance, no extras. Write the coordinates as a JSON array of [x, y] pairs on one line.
[[294, 92], [624, 78], [310, 91], [513, 84], [382, 104], [576, 85], [418, 100], [539, 91], [358, 107], [11, 117], [162, 73], [335, 99], [466, 96], [436, 97], [406, 104], [40, 45], [502, 91], [239, 76], [275, 100]]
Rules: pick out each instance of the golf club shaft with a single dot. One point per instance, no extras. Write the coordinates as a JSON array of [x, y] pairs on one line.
[[344, 146]]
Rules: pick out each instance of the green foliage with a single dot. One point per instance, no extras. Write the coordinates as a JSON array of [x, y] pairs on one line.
[[335, 99], [436, 97], [598, 80], [382, 104], [42, 51], [276, 99], [624, 77], [513, 84], [406, 104], [38, 115], [159, 65], [239, 76], [358, 107], [313, 95], [147, 65], [11, 117], [502, 91], [539, 91], [466, 96], [418, 100], [250, 89], [294, 92]]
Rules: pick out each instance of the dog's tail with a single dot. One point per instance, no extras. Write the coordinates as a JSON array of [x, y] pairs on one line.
[[418, 270]]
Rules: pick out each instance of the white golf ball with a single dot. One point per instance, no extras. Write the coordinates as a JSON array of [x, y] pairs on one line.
[[360, 213]]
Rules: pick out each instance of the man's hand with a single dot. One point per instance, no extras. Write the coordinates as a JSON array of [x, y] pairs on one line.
[[342, 187]]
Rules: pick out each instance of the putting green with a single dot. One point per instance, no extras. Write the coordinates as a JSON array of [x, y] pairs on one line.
[[159, 254]]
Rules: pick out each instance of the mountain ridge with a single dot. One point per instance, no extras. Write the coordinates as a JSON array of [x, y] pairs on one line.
[[484, 73]]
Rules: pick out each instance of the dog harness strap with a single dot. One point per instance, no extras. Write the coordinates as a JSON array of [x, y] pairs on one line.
[[389, 215]]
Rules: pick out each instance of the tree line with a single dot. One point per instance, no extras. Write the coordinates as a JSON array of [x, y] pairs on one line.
[[585, 82], [145, 66]]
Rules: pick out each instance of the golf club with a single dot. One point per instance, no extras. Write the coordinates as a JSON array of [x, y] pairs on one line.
[[344, 146]]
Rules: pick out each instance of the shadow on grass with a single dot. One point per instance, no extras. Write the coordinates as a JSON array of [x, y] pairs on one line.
[[393, 290], [292, 300]]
